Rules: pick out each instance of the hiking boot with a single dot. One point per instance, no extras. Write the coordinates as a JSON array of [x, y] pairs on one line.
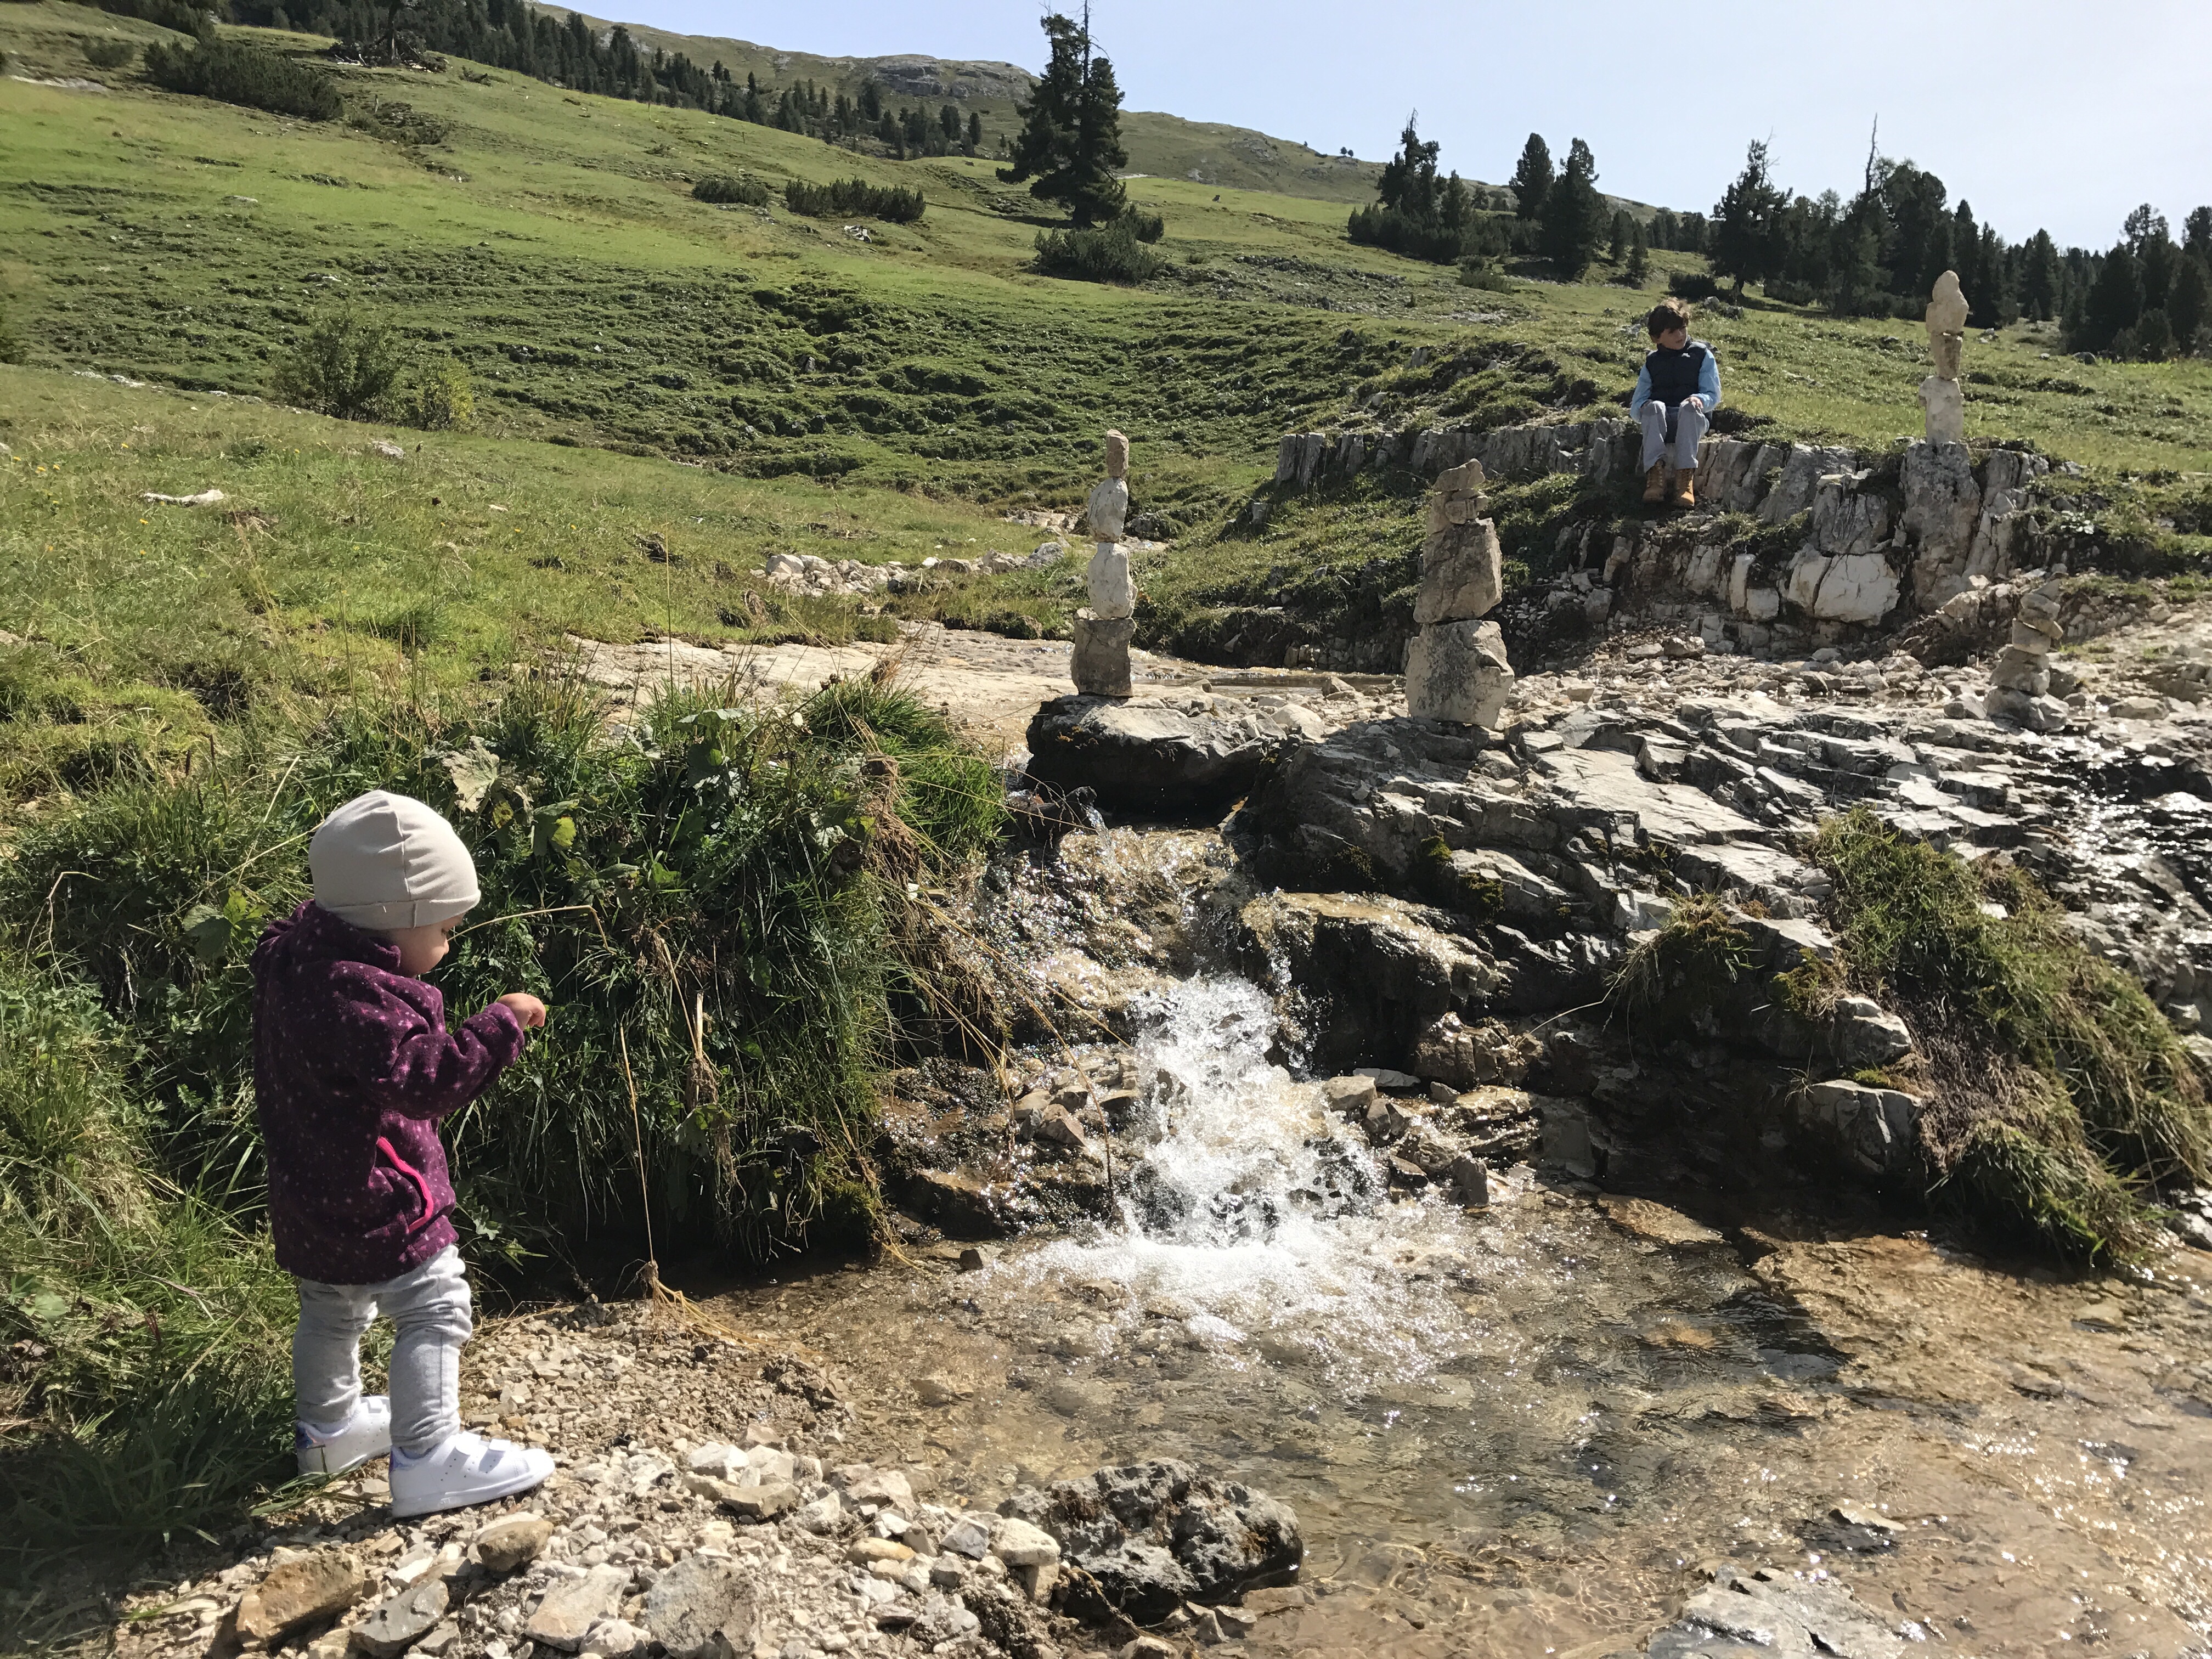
[[1686, 489], [367, 1434], [1655, 484], [463, 1469]]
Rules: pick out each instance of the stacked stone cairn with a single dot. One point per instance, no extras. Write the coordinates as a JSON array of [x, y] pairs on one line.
[[2019, 679], [1456, 666], [1947, 342], [1100, 661]]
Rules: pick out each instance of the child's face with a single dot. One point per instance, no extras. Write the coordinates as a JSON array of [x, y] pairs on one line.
[[1674, 338], [422, 949]]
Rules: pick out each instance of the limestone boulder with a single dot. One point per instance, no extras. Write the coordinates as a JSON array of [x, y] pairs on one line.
[[1113, 594], [1874, 1127], [1859, 587], [1793, 491], [1463, 572], [1108, 509], [1942, 508], [1099, 664], [1848, 520], [1146, 758], [1945, 403], [1458, 671]]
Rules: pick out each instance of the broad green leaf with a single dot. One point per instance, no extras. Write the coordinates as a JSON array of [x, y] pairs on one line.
[[474, 769]]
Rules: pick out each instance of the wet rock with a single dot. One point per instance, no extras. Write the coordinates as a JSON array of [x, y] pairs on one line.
[[1145, 756], [397, 1622], [702, 1608], [1148, 1537], [573, 1606], [512, 1541], [317, 1586], [1778, 1614], [1350, 1096], [1469, 1180]]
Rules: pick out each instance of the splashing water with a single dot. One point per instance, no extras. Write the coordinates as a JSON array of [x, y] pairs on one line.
[[1260, 1223]]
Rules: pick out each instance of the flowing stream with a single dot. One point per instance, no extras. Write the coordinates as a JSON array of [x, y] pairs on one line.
[[1521, 1430]]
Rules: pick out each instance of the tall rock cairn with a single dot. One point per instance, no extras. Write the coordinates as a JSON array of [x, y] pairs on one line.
[[1100, 663], [1456, 667], [1947, 342]]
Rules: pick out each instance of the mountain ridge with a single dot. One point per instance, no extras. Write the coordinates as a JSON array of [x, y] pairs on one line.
[[1160, 144]]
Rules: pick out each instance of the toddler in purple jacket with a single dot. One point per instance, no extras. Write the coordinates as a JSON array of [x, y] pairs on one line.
[[353, 1072]]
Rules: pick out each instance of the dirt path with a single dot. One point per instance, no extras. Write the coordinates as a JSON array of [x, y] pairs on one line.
[[989, 685]]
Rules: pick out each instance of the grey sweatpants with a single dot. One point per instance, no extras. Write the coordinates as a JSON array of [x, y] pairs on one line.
[[430, 1306], [1681, 427]]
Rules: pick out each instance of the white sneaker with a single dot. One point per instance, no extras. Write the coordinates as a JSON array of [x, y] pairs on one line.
[[333, 1451], [463, 1469]]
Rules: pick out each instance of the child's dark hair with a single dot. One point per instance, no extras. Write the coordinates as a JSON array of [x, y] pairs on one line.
[[1668, 314]]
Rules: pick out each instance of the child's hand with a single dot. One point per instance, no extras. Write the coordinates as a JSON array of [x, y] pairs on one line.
[[527, 1008]]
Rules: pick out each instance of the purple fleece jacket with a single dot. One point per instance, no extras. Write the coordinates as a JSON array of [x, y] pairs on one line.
[[353, 1071]]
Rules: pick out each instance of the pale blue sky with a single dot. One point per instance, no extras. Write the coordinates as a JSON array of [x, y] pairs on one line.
[[2039, 113]]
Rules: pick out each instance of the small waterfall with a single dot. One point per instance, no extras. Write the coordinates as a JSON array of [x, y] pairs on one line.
[[1258, 1220]]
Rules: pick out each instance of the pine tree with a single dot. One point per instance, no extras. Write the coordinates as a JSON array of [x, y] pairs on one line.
[[1744, 242], [1617, 249], [1070, 143], [1638, 269], [1408, 183], [2158, 262], [2190, 307], [2039, 281], [1993, 307], [1855, 259], [2196, 234], [974, 131], [1532, 178], [1573, 223], [2114, 301]]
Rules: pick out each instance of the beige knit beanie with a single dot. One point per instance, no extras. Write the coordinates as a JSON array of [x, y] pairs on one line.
[[384, 862]]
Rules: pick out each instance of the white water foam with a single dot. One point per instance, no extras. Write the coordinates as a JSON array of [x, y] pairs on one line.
[[1257, 1220]]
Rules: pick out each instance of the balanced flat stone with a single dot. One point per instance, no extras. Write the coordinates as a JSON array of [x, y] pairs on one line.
[[1099, 664], [1458, 671], [1146, 756]]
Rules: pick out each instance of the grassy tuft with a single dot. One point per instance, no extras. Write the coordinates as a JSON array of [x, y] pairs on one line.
[[145, 1390], [1687, 964], [2091, 1107]]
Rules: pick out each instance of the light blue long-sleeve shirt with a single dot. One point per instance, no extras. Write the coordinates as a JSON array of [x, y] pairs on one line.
[[1709, 383]]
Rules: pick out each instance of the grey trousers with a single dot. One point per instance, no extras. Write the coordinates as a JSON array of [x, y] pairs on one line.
[[1681, 427], [430, 1306]]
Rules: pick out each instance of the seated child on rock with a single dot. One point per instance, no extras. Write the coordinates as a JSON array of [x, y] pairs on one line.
[[1675, 398], [353, 1071]]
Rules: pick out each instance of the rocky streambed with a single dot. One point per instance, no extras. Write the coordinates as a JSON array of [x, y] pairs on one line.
[[1317, 1271]]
